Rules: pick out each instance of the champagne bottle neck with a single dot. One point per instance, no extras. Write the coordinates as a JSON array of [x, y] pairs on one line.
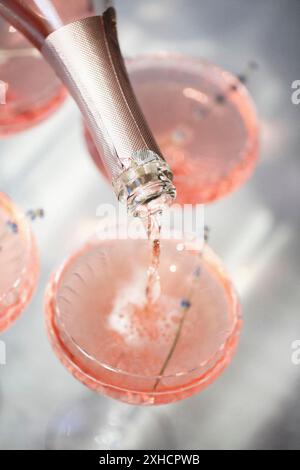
[[86, 56]]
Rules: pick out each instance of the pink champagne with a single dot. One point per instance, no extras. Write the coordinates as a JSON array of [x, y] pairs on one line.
[[107, 334], [31, 92], [84, 51], [204, 122], [153, 230], [18, 261]]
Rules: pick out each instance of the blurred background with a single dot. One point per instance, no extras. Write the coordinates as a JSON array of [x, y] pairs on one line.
[[254, 404]]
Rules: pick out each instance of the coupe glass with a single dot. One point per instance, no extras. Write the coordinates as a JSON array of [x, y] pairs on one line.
[[29, 88], [18, 261], [107, 335]]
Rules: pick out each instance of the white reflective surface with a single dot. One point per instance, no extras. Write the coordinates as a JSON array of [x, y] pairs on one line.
[[254, 404]]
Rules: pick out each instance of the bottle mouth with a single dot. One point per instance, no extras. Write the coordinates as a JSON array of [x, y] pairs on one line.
[[146, 186], [150, 199]]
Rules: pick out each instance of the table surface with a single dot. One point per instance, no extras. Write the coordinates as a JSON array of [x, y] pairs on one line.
[[255, 230]]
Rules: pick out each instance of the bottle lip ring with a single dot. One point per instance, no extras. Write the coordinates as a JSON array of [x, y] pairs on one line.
[[148, 178], [136, 177]]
